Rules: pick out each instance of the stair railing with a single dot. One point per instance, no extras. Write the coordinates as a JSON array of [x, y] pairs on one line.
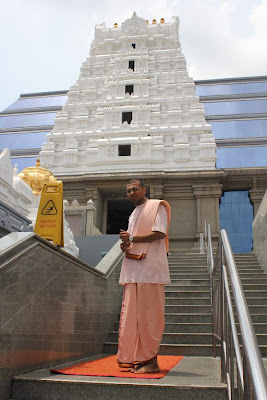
[[241, 363]]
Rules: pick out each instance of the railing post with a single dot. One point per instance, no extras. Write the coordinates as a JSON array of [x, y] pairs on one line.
[[201, 243]]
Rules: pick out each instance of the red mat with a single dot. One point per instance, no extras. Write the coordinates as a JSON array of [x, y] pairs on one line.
[[108, 366]]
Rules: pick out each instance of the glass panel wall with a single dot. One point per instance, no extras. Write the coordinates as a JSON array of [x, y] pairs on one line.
[[236, 217], [236, 107], [241, 157], [18, 141], [34, 102], [231, 88], [239, 129], [24, 120]]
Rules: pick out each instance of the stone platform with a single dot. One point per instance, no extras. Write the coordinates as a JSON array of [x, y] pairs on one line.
[[193, 378]]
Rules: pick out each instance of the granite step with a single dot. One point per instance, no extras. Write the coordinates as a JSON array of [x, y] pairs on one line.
[[189, 270], [257, 309], [255, 293], [193, 378], [256, 300], [185, 317], [192, 327], [176, 338], [171, 293], [189, 275], [191, 281], [188, 301], [187, 287], [196, 349], [190, 309], [258, 280]]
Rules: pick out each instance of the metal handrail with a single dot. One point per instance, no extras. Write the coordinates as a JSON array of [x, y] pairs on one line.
[[249, 381]]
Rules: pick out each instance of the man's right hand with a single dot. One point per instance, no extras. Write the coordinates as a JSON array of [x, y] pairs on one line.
[[125, 246]]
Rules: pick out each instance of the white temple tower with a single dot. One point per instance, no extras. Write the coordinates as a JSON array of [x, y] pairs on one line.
[[133, 105]]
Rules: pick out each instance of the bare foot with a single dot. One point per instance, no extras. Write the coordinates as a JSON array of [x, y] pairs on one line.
[[149, 368]]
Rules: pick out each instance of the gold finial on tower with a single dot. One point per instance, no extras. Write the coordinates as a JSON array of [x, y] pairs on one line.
[[162, 20], [116, 25], [147, 22], [154, 21]]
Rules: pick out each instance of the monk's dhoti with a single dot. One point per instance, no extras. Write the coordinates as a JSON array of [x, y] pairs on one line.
[[142, 321]]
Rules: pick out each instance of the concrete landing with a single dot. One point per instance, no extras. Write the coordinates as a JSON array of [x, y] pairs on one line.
[[193, 378]]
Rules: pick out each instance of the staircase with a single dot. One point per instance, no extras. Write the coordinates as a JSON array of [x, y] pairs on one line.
[[187, 332], [188, 311]]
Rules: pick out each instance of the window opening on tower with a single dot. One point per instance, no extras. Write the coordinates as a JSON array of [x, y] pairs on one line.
[[129, 89], [131, 64], [133, 45], [124, 150], [127, 116]]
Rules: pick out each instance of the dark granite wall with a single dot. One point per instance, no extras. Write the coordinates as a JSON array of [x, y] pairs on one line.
[[52, 309]]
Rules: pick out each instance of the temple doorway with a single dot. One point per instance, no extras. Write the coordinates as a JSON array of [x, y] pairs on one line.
[[118, 212]]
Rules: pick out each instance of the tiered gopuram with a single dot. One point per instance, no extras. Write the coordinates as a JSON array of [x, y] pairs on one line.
[[133, 106]]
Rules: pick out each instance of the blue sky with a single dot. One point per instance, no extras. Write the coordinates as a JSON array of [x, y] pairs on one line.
[[44, 42]]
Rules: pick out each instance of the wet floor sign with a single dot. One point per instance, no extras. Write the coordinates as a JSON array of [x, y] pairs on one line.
[[49, 222]]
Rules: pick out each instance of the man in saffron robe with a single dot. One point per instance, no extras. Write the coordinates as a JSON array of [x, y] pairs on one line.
[[144, 273]]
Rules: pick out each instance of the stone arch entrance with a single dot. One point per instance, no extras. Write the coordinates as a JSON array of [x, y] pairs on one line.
[[118, 212]]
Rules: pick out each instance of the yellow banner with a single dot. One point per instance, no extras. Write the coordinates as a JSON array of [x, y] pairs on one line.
[[49, 221]]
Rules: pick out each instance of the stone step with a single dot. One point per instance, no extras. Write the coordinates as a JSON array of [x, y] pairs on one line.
[[204, 269], [188, 301], [258, 317], [187, 276], [257, 301], [183, 270], [262, 301], [257, 309], [257, 281], [254, 286], [253, 275], [187, 257], [188, 264], [190, 338], [191, 281], [171, 293], [184, 317], [170, 309], [192, 327], [260, 327], [171, 349], [204, 259], [176, 338], [186, 381], [255, 293], [258, 276], [182, 287], [205, 317]]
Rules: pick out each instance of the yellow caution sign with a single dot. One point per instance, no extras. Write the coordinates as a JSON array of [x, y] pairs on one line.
[[49, 221]]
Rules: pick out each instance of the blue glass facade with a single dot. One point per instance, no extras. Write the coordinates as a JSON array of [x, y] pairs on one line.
[[27, 120], [239, 129], [231, 88], [236, 107], [34, 102], [236, 217], [242, 157], [19, 141]]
